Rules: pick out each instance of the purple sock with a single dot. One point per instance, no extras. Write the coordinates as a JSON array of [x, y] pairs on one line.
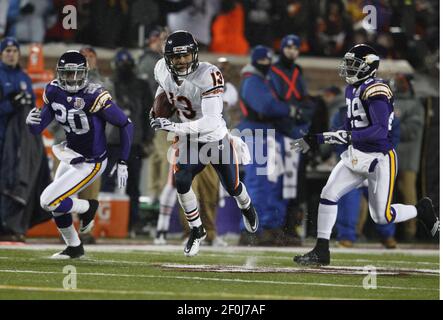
[[63, 221], [64, 206]]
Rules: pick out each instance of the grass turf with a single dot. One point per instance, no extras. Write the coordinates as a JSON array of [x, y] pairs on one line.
[[30, 274]]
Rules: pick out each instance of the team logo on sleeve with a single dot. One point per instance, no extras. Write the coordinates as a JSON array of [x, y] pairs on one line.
[[79, 103]]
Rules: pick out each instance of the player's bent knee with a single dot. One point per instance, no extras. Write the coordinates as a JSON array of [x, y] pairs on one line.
[[45, 202], [183, 181], [328, 194]]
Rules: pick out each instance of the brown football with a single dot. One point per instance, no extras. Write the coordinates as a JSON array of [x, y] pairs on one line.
[[162, 107]]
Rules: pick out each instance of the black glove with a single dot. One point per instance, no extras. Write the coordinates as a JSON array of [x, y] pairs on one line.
[[21, 99], [305, 144]]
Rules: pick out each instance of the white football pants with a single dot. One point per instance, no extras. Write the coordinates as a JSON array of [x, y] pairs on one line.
[[70, 180]]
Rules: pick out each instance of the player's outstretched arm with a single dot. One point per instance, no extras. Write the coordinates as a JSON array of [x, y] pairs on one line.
[[115, 116], [311, 141], [37, 120]]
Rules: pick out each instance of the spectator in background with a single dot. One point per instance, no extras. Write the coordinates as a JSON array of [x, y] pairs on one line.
[[33, 20], [228, 29], [94, 73], [9, 13], [296, 16], [288, 84], [132, 96], [263, 110], [196, 18], [411, 113], [158, 166], [258, 24], [151, 54], [24, 170], [334, 31]]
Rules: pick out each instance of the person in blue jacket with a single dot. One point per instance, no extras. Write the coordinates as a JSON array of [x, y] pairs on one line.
[[263, 110], [15, 85]]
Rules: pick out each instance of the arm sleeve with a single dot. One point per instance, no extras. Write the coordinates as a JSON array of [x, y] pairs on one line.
[[260, 98], [115, 116], [212, 108], [379, 113], [47, 116]]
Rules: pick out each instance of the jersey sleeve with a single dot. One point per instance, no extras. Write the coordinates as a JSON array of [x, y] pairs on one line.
[[376, 90], [100, 100], [211, 82]]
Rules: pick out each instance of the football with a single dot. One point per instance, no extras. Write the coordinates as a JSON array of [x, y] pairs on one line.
[[162, 107]]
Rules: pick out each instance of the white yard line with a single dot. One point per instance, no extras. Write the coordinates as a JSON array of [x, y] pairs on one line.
[[202, 295], [229, 249], [214, 279]]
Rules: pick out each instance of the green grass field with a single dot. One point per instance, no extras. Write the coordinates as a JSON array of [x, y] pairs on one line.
[[113, 272]]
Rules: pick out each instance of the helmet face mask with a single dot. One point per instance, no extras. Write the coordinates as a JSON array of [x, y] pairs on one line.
[[360, 63], [181, 53], [72, 71]]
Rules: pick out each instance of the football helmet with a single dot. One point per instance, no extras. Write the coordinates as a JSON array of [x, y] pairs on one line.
[[72, 71], [177, 44], [359, 63]]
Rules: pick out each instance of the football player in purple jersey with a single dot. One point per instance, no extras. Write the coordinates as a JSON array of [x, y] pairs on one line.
[[82, 108], [370, 155]]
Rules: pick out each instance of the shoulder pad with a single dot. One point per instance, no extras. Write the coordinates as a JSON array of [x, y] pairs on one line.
[[376, 88], [210, 79], [100, 98]]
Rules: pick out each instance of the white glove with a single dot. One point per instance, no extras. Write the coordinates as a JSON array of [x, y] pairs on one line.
[[164, 124], [337, 137], [34, 117], [122, 173]]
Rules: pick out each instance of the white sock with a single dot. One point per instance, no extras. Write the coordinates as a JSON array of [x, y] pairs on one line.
[[189, 203], [404, 212], [164, 218], [327, 214], [79, 206], [70, 236], [243, 200]]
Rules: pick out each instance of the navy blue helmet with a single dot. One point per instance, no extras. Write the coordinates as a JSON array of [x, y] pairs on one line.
[[177, 44], [359, 63], [72, 71]]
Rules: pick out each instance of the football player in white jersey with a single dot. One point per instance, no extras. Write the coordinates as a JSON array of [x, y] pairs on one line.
[[195, 88]]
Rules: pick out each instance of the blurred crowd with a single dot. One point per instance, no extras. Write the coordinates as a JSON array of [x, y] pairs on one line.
[[405, 30]]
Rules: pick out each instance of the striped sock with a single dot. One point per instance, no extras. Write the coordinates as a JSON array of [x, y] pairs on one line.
[[193, 218]]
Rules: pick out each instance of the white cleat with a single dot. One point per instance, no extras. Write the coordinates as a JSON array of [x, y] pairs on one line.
[[193, 244]]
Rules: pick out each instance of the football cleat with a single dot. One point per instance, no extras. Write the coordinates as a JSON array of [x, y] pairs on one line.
[[193, 244], [160, 238], [314, 257], [70, 253], [426, 214], [87, 218], [250, 219]]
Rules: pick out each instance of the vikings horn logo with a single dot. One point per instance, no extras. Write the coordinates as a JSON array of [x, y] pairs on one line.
[[79, 103]]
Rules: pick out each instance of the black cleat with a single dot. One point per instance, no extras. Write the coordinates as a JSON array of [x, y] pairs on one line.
[[426, 214], [70, 253], [314, 257], [250, 219], [87, 218], [195, 237]]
